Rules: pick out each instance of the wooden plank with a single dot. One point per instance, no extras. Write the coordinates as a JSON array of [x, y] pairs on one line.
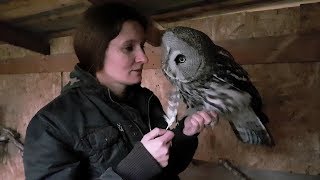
[[282, 49], [154, 55], [199, 169], [224, 7], [21, 8], [55, 20], [154, 35], [49, 26], [38, 64], [194, 11], [267, 50], [28, 40], [104, 1], [310, 14], [65, 33], [59, 63]]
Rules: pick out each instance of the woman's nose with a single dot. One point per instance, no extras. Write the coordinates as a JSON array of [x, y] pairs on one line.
[[142, 57]]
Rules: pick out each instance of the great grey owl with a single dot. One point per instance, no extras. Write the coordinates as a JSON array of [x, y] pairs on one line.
[[207, 78]]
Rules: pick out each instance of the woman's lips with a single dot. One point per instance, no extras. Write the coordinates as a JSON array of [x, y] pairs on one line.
[[138, 70]]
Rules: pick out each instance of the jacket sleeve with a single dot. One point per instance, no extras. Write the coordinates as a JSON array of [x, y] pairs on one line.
[[182, 150], [183, 147], [139, 164], [45, 156]]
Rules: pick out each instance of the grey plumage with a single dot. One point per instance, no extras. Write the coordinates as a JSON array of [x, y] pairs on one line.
[[208, 78]]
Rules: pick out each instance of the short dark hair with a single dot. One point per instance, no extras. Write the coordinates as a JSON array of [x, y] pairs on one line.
[[100, 24]]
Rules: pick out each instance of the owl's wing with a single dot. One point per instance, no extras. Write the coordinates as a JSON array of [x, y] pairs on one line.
[[230, 72], [249, 128], [227, 70]]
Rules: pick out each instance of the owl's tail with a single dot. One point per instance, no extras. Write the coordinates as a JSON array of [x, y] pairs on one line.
[[249, 129]]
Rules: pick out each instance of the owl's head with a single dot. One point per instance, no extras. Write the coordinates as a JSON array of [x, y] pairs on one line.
[[186, 53]]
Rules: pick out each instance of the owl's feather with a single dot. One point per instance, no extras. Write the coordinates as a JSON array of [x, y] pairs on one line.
[[172, 109], [248, 127], [208, 78]]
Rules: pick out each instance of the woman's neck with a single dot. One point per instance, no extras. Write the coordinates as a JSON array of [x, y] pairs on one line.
[[116, 88]]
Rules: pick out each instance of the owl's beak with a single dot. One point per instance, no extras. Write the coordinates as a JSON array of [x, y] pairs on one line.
[[168, 50]]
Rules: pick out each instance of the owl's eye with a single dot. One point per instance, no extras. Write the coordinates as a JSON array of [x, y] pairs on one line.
[[180, 59]]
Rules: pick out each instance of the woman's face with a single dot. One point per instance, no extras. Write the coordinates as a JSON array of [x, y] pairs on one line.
[[125, 56]]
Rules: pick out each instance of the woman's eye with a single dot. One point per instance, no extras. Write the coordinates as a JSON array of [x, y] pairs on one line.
[[180, 59], [129, 48]]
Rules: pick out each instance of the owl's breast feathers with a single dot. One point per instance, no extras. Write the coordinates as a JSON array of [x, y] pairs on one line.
[[223, 92]]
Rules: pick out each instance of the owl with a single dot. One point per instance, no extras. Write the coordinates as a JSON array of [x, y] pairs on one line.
[[208, 78]]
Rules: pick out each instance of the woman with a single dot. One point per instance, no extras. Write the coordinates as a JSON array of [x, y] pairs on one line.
[[104, 125]]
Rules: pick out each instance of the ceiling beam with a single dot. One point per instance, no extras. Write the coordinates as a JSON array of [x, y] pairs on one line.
[[25, 39], [23, 8], [224, 7]]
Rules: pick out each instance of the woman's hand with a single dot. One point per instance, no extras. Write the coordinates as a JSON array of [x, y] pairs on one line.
[[158, 142], [195, 123]]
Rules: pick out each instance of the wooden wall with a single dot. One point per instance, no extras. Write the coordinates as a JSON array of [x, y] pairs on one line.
[[21, 96], [289, 92]]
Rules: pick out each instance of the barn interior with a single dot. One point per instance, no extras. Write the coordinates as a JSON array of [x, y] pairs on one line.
[[276, 41]]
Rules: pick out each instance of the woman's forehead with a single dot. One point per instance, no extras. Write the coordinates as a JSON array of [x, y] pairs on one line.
[[131, 31]]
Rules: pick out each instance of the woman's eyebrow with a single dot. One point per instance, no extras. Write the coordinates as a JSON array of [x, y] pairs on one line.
[[134, 41]]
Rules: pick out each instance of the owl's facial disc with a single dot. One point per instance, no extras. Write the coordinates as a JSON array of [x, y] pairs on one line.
[[184, 66], [181, 61]]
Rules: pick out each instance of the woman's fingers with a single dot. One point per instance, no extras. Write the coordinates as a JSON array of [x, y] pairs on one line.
[[207, 118], [154, 133], [158, 142], [166, 137], [196, 122]]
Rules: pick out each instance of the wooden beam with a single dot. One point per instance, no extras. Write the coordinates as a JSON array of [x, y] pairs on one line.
[[28, 40], [194, 11], [59, 63], [299, 48], [225, 7], [22, 8], [104, 1], [154, 34], [282, 49], [39, 64]]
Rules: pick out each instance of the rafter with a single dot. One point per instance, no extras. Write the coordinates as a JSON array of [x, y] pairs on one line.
[[25, 39]]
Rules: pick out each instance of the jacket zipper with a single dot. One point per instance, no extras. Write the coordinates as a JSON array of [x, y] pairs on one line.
[[120, 127], [149, 122], [119, 124]]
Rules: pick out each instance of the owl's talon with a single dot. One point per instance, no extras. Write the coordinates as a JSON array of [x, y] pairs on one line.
[[214, 121]]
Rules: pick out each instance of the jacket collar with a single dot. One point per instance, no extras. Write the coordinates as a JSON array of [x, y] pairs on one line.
[[82, 79]]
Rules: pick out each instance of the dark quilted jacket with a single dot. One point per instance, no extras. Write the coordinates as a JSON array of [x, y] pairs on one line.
[[87, 133]]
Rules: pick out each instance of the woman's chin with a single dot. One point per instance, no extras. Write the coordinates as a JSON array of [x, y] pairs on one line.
[[135, 80]]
